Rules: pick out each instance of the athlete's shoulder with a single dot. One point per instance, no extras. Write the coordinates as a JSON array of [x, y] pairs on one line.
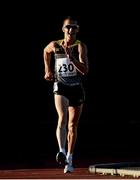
[[50, 44], [83, 44], [59, 42], [50, 47], [79, 42]]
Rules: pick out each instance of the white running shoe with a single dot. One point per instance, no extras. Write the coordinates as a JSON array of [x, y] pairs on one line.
[[68, 168]]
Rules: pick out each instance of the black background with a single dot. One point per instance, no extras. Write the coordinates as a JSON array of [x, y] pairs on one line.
[[110, 122]]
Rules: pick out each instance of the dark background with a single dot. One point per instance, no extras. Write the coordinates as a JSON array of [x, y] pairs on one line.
[[109, 125]]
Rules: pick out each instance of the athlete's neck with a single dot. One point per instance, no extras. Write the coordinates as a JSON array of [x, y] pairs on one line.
[[69, 41]]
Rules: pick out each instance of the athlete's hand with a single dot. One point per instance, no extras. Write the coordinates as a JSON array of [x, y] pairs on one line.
[[49, 76]]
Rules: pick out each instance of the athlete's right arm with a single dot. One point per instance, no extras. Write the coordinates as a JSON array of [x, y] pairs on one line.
[[47, 58]]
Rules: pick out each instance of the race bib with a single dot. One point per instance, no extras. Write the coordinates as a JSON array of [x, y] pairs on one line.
[[64, 68]]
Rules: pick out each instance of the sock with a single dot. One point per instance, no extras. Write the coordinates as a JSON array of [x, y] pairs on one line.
[[62, 150], [69, 158]]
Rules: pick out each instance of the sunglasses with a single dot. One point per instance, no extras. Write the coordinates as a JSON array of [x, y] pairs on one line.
[[71, 26]]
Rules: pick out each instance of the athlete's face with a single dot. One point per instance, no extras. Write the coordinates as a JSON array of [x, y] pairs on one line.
[[70, 27]]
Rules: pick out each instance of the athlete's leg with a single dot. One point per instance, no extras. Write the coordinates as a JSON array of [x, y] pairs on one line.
[[61, 104], [74, 115]]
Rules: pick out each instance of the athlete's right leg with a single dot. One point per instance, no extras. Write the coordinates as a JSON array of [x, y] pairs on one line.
[[61, 104], [74, 115]]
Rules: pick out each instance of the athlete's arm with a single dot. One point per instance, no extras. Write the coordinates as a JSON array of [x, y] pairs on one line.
[[47, 59], [82, 64]]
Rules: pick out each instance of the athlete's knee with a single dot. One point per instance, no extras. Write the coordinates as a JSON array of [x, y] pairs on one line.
[[62, 123], [72, 129]]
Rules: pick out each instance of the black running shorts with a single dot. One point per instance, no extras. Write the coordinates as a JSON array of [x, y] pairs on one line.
[[75, 94]]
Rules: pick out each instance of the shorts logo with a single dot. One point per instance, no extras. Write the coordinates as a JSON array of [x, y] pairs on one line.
[[55, 87]]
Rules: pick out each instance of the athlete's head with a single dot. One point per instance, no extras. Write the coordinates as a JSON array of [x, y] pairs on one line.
[[70, 26]]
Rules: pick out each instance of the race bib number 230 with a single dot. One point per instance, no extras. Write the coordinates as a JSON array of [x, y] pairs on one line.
[[64, 67]]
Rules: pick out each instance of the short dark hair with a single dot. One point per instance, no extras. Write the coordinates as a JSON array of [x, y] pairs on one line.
[[71, 18]]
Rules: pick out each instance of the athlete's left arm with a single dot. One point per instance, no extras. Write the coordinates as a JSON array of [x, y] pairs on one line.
[[82, 64]]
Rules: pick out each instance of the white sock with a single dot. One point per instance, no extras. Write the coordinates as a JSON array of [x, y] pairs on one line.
[[62, 150], [69, 158]]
